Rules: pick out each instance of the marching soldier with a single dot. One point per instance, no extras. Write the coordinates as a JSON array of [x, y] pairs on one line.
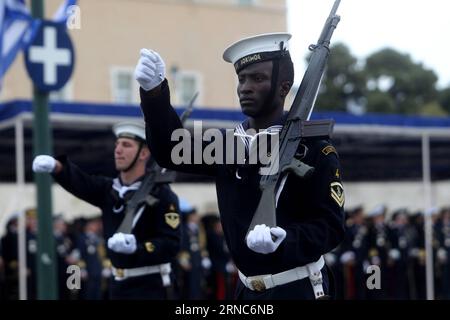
[[192, 258], [64, 247], [221, 280], [418, 255], [399, 266], [141, 257], [354, 256], [88, 247], [11, 256], [10, 259], [282, 262]]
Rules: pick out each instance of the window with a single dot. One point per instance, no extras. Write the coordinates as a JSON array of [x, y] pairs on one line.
[[187, 83], [125, 88]]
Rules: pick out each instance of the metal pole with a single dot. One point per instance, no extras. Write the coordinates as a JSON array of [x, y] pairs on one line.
[[46, 263], [427, 212], [20, 180]]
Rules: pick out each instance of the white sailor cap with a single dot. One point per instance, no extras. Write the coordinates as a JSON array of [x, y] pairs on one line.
[[263, 47], [132, 130]]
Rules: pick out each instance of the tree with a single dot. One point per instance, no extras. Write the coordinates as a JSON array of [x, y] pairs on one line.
[[343, 83], [409, 85]]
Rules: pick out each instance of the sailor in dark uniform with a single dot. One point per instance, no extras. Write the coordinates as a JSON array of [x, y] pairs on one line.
[[310, 214], [88, 247], [192, 258], [221, 279], [354, 255], [379, 246], [399, 261], [32, 248], [140, 258], [64, 248], [10, 258]]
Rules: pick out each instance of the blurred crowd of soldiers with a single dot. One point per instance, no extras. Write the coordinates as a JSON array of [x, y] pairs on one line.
[[397, 246], [204, 269]]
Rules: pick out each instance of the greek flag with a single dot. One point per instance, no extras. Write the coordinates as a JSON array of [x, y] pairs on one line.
[[15, 20], [17, 29]]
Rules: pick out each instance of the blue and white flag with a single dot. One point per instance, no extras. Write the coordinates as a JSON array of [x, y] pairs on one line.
[[17, 29], [15, 20]]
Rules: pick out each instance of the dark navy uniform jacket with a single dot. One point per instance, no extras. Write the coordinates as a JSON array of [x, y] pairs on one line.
[[158, 237], [307, 210]]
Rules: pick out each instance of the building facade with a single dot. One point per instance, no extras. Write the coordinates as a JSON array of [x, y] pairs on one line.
[[189, 34]]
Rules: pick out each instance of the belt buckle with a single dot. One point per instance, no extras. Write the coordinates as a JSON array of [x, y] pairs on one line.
[[258, 285], [120, 273]]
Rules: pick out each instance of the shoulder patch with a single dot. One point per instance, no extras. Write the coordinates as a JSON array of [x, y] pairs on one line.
[[337, 193], [172, 219], [329, 149]]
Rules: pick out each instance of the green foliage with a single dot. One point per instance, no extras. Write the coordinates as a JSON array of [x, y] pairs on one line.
[[433, 109], [444, 99], [388, 81], [378, 101], [343, 81]]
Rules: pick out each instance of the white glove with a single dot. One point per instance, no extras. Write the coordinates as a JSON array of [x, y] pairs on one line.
[[206, 263], [122, 243], [150, 70], [44, 163], [260, 239]]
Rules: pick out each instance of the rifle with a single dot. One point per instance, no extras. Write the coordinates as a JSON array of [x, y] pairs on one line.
[[155, 175], [297, 127]]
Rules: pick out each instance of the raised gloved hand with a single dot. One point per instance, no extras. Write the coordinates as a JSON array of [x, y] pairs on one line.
[[44, 163], [122, 243], [150, 70], [260, 238]]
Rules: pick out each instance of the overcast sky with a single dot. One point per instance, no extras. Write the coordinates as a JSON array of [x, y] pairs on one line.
[[420, 28]]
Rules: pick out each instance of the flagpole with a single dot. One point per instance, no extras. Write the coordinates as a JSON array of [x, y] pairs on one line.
[[42, 144], [428, 223]]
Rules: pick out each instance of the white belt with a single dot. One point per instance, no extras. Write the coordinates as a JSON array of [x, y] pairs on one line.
[[268, 281], [164, 269]]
